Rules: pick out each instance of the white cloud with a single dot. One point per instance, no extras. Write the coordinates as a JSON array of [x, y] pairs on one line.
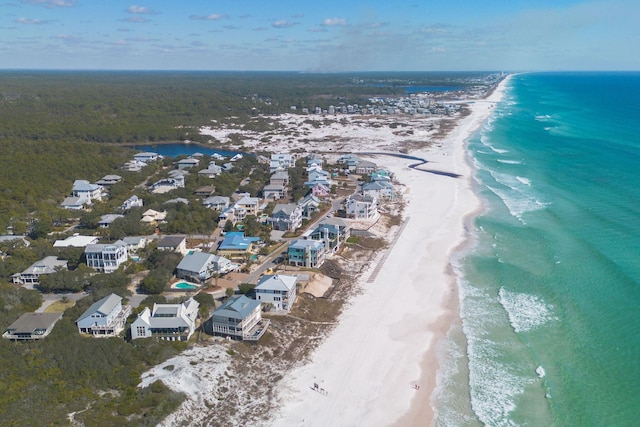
[[212, 17], [282, 23], [51, 3], [140, 10], [136, 19], [334, 22], [28, 21]]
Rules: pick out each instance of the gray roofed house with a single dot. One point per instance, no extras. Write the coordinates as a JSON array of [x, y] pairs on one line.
[[286, 217], [109, 180], [32, 326], [280, 177], [239, 318], [106, 317], [108, 257], [173, 243], [218, 203], [365, 166], [106, 220], [278, 290], [47, 265], [274, 191], [172, 322], [309, 205], [211, 172], [200, 266], [176, 201], [75, 241], [135, 242], [187, 163]]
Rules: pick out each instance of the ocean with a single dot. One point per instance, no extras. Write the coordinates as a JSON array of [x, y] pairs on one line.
[[550, 287]]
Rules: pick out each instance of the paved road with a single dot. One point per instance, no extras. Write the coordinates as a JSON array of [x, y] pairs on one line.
[[51, 298]]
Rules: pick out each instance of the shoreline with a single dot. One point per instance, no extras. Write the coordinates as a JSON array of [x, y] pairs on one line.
[[386, 339]]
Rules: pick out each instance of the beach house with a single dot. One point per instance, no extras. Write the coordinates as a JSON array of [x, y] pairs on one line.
[[105, 318], [278, 290], [240, 318], [31, 276], [32, 326], [171, 322], [286, 217], [306, 253]]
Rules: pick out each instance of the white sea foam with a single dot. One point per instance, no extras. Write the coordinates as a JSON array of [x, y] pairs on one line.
[[516, 193], [526, 312], [523, 180], [510, 162], [494, 385], [540, 372]]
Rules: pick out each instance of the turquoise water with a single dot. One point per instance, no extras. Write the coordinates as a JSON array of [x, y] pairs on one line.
[[184, 285], [550, 291]]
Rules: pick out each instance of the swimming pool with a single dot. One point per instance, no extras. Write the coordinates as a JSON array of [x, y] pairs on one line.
[[185, 286]]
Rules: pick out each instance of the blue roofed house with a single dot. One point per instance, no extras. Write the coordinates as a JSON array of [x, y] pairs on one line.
[[279, 290], [236, 242], [239, 318], [286, 217], [306, 253], [105, 318], [379, 189], [201, 266], [171, 322]]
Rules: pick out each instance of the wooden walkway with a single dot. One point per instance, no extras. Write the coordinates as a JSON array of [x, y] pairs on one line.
[[378, 267]]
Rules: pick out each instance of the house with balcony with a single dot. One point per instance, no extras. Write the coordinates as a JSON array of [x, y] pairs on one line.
[[239, 318], [85, 190], [106, 258], [171, 322], [217, 203], [153, 217], [364, 167], [211, 172], [235, 242], [105, 318], [204, 191], [187, 163], [198, 266], [358, 206], [31, 276], [147, 157], [278, 290], [135, 243], [286, 217], [309, 205], [274, 191], [32, 326], [281, 162], [280, 177], [331, 235], [132, 202], [109, 180], [306, 253], [250, 204], [379, 189]]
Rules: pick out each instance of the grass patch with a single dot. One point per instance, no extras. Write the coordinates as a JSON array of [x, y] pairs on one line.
[[59, 306]]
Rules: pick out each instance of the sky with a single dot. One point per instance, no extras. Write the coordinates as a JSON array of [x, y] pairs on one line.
[[321, 35]]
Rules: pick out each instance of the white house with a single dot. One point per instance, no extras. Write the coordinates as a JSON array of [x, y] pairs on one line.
[[379, 190], [173, 243], [240, 318], [132, 202], [75, 241], [361, 207], [277, 289], [218, 203], [108, 257], [201, 266], [47, 265], [171, 322], [281, 161], [106, 220], [211, 172], [135, 243], [85, 190], [286, 217], [105, 318], [147, 157]]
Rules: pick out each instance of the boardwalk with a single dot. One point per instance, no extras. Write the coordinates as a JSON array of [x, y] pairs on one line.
[[376, 270]]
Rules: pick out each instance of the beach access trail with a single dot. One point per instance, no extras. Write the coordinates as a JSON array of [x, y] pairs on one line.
[[378, 367]]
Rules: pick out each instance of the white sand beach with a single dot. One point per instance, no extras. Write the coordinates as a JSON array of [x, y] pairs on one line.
[[381, 352]]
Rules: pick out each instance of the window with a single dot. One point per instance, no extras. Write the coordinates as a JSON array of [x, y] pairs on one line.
[[141, 330]]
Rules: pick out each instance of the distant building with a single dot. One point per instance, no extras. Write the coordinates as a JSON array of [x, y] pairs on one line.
[[147, 157], [286, 217], [75, 241], [201, 266], [106, 220], [174, 244], [109, 180], [132, 202]]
